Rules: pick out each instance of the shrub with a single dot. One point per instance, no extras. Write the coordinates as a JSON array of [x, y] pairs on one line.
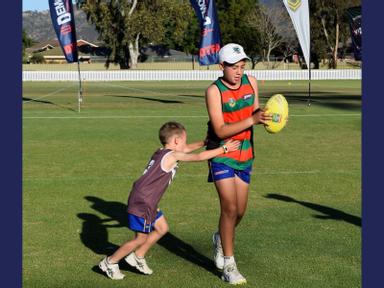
[[37, 58]]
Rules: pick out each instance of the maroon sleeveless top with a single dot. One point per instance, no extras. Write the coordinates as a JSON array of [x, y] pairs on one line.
[[149, 188]]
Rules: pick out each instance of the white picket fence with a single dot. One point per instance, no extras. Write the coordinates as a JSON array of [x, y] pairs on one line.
[[188, 75]]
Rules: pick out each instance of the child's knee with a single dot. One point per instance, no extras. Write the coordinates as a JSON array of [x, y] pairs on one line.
[[230, 211], [140, 240], [163, 228]]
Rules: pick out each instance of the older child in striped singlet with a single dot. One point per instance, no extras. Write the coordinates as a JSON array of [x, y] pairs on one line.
[[233, 108]]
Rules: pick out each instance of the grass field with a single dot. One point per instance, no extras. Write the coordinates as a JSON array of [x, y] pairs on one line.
[[302, 227]]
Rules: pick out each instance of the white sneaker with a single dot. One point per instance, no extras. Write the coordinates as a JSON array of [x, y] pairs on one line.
[[218, 255], [232, 275], [112, 270], [139, 263]]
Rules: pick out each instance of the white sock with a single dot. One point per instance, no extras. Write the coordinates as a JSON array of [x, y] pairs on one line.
[[109, 262], [229, 260], [140, 258]]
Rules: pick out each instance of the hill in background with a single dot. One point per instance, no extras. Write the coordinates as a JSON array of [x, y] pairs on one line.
[[38, 26]]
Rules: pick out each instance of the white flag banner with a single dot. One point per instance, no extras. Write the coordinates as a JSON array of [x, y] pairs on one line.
[[299, 12]]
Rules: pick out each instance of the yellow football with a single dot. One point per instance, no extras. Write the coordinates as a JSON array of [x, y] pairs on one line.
[[277, 105]]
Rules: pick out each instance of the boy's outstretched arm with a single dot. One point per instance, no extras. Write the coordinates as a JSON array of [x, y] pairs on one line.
[[194, 146], [228, 146]]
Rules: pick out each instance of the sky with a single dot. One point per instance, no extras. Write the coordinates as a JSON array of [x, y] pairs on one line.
[[38, 5]]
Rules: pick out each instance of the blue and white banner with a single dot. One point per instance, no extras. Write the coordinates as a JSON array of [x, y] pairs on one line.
[[354, 16], [210, 41], [64, 25]]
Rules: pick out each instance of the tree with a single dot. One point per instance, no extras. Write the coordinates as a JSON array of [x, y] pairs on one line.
[[233, 15], [183, 31], [329, 26], [26, 42], [124, 26], [37, 58], [259, 19], [275, 32], [281, 20]]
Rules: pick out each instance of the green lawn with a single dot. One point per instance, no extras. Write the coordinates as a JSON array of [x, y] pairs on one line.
[[302, 227]]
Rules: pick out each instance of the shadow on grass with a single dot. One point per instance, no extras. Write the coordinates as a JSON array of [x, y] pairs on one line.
[[150, 99], [327, 99], [94, 235], [193, 96], [26, 99], [182, 249], [328, 212]]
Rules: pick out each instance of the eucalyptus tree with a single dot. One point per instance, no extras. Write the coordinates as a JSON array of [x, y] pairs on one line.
[[127, 25], [329, 27], [26, 42], [234, 25]]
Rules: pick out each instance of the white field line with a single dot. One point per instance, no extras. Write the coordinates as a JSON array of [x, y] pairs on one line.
[[102, 178], [177, 116], [50, 94], [105, 84]]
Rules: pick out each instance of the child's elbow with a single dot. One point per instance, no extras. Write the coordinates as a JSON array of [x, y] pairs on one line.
[[220, 133]]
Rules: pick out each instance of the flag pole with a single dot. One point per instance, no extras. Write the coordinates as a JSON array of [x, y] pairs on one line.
[[80, 92], [309, 82], [63, 22], [299, 13]]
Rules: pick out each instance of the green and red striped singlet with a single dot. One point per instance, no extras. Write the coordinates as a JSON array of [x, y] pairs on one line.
[[237, 104]]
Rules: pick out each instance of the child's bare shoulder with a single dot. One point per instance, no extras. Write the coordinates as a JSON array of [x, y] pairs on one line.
[[212, 90]]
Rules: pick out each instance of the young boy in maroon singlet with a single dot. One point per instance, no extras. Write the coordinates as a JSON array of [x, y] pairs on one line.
[[144, 217]]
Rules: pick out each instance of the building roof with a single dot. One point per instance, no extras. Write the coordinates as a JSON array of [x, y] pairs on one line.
[[161, 51], [82, 42], [54, 45]]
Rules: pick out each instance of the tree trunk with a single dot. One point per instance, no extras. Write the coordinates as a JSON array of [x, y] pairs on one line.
[[315, 60], [333, 57], [133, 47], [268, 55], [330, 61], [336, 47], [124, 61], [134, 52]]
